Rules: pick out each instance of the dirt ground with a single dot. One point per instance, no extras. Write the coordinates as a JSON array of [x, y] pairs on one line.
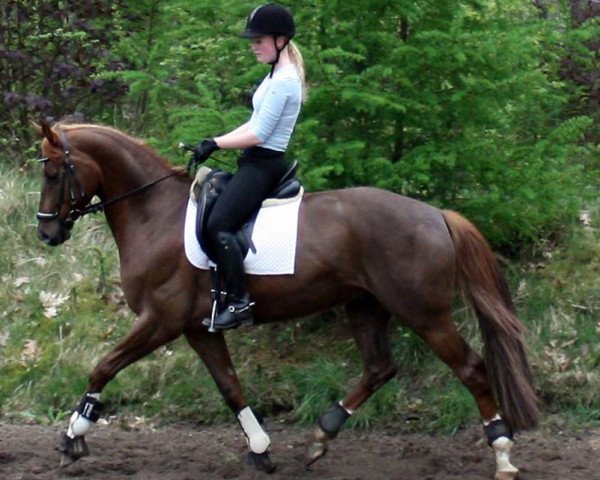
[[194, 453]]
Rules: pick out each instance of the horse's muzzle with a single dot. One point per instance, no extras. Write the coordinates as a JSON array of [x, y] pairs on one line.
[[54, 232]]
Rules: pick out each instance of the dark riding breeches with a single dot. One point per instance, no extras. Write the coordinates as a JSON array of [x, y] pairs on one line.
[[259, 172]]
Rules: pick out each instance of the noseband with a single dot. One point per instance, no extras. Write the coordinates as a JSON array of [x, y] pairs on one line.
[[70, 181]]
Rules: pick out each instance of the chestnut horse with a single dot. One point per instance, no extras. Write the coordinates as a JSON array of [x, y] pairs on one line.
[[382, 255]]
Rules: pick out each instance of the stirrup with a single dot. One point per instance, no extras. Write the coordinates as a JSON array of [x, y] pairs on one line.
[[229, 318]]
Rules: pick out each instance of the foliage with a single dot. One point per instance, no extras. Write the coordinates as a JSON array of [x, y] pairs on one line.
[[580, 60], [471, 105], [565, 288], [461, 105], [188, 76], [448, 105], [51, 55]]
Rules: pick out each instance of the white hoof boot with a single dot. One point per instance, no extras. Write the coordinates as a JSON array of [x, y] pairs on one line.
[[257, 439], [504, 469]]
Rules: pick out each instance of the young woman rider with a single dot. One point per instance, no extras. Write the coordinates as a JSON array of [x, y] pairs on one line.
[[263, 140]]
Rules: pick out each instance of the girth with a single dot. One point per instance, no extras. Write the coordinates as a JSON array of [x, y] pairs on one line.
[[206, 190]]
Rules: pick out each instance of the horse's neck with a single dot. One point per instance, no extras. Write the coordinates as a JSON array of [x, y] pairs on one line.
[[127, 171], [149, 209]]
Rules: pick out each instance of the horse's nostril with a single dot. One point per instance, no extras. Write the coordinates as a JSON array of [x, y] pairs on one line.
[[47, 239], [53, 233], [43, 237]]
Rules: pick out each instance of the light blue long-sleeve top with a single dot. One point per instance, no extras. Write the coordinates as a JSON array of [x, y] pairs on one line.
[[276, 104]]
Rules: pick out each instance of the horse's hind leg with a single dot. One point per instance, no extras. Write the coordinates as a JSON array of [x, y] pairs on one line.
[[368, 321], [441, 335]]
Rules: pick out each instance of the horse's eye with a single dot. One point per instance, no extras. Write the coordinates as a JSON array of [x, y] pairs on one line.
[[52, 180], [51, 174]]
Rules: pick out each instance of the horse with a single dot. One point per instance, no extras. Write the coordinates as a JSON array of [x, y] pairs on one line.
[[386, 257]]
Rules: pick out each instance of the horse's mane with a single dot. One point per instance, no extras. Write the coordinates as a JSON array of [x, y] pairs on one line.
[[67, 126]]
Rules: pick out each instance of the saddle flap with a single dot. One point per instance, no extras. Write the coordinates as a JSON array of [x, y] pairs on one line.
[[206, 190], [207, 187]]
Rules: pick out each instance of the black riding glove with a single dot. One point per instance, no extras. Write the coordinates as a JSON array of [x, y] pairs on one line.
[[203, 151]]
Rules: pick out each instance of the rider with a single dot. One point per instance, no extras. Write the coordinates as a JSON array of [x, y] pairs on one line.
[[264, 139]]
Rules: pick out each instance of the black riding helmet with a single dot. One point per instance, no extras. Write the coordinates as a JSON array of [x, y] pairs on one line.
[[272, 20]]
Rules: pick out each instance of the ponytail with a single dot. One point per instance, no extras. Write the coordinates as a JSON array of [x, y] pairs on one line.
[[298, 61]]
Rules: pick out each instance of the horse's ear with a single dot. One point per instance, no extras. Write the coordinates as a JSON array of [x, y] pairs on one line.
[[37, 128], [49, 134]]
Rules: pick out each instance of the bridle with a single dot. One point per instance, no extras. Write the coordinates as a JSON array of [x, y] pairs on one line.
[[69, 180]]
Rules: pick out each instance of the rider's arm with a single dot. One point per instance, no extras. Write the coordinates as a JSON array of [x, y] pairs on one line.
[[241, 137], [241, 129], [264, 122]]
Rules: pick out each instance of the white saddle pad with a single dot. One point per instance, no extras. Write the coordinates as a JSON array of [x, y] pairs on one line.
[[274, 236]]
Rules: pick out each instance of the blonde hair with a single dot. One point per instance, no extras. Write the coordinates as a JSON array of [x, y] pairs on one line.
[[297, 59]]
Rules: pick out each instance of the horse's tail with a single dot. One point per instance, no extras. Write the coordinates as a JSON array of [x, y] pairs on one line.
[[483, 284]]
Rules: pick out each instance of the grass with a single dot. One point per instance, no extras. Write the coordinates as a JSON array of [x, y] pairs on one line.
[[62, 310]]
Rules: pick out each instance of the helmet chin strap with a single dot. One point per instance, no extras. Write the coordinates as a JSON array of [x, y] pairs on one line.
[[279, 50]]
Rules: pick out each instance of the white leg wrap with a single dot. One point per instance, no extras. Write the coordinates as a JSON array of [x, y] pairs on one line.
[[78, 425], [257, 439], [504, 469]]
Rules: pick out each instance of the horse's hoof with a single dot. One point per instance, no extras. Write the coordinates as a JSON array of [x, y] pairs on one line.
[[315, 452], [261, 462], [317, 447], [72, 449], [505, 475], [65, 460]]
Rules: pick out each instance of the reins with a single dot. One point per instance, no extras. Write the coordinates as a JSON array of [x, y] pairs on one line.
[[100, 206]]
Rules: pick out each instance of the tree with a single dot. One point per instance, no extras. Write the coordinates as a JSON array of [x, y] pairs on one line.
[[451, 102], [50, 55], [460, 103], [581, 58]]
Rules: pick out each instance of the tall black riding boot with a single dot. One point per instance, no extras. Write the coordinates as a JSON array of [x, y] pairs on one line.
[[230, 263]]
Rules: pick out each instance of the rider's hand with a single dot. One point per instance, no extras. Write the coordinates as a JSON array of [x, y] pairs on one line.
[[203, 151]]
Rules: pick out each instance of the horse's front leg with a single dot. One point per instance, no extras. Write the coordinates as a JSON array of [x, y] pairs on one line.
[[212, 349], [146, 336]]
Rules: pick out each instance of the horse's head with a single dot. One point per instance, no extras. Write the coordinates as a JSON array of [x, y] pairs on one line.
[[71, 178]]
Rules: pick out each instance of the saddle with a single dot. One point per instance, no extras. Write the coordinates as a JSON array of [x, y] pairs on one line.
[[205, 191]]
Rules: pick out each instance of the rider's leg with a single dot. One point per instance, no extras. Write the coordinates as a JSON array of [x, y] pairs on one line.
[[253, 182], [231, 267]]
